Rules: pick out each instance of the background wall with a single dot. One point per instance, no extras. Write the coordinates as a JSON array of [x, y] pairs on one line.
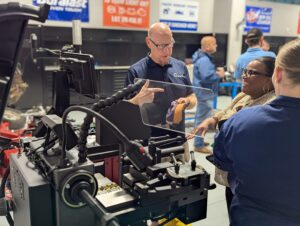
[[214, 16], [229, 13], [205, 24], [221, 15], [284, 17]]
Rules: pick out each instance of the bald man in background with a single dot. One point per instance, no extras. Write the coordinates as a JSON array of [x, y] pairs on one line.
[[205, 76]]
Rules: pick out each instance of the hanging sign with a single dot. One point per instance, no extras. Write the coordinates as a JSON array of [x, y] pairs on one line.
[[126, 13], [180, 15], [66, 10], [258, 17]]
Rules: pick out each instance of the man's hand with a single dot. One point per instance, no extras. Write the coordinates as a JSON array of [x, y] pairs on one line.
[[220, 72], [183, 100], [189, 101], [146, 95]]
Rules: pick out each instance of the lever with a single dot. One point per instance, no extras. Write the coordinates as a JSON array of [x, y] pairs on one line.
[[176, 164], [193, 161]]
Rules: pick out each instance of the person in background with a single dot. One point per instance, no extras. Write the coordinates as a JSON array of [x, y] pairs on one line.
[[205, 76], [254, 40], [259, 147], [257, 89], [265, 45], [158, 65]]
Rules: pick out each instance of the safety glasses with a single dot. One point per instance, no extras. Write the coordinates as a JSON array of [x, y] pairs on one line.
[[247, 73], [163, 46]]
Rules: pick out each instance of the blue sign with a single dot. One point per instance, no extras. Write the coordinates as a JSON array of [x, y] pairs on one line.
[[179, 15], [66, 10], [181, 25], [258, 17]]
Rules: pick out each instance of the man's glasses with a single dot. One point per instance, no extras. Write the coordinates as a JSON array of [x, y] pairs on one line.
[[247, 73], [163, 46]]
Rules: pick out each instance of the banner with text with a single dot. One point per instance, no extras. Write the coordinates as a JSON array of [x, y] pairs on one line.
[[66, 10], [258, 17], [126, 13], [179, 15]]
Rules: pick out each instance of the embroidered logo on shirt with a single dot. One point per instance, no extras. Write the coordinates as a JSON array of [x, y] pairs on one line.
[[176, 75]]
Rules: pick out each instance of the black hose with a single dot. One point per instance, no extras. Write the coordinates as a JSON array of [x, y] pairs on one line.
[[115, 98], [9, 219], [121, 136], [88, 120], [3, 182]]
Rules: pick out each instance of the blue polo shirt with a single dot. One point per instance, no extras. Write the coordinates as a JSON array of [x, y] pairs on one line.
[[259, 146], [247, 57], [173, 72]]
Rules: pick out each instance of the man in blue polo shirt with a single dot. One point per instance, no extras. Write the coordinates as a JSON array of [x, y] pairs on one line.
[[158, 65], [254, 39]]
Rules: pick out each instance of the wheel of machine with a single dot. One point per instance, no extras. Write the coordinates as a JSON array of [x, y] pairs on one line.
[[15, 118], [75, 182]]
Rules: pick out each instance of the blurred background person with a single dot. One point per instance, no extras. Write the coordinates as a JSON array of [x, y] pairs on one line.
[[265, 45], [205, 76], [254, 39]]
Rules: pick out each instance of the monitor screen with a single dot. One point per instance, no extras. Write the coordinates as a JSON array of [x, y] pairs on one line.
[[81, 72]]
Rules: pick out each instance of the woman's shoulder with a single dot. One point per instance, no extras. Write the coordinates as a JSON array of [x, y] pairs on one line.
[[241, 99], [264, 99]]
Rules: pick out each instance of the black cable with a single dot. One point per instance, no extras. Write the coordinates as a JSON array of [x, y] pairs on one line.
[[3, 182], [120, 95], [115, 98], [120, 135], [49, 145], [9, 219]]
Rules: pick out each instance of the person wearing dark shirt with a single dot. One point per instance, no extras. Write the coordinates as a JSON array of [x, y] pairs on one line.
[[259, 147], [158, 65]]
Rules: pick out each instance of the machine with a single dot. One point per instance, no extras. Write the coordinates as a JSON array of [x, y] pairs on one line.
[[53, 179]]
